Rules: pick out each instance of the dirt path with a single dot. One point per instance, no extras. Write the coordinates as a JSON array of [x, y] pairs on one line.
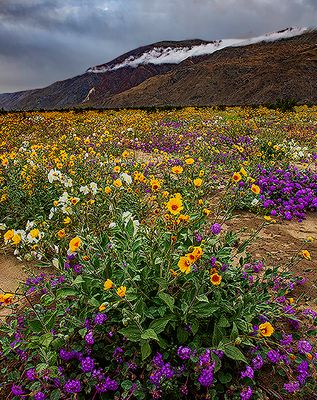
[[11, 273], [278, 242]]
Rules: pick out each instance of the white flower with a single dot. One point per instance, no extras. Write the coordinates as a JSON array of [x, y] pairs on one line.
[[254, 202], [3, 227], [84, 189], [112, 225], [54, 175], [126, 177], [93, 187]]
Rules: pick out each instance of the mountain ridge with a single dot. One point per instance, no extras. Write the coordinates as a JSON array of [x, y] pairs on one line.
[[189, 72]]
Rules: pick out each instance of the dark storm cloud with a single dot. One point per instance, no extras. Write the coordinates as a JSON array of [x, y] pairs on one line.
[[42, 41]]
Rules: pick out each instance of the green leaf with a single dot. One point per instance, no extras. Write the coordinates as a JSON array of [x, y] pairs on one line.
[[202, 298], [168, 300], [46, 339], [94, 302], [132, 333], [159, 325], [145, 350], [36, 325], [182, 335], [55, 395], [224, 377], [234, 332], [126, 385], [234, 353], [65, 292], [78, 280], [203, 310], [149, 334], [223, 322]]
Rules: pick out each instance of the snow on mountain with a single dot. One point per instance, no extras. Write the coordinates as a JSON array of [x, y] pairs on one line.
[[175, 55]]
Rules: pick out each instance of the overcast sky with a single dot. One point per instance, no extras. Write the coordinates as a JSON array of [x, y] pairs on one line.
[[42, 41]]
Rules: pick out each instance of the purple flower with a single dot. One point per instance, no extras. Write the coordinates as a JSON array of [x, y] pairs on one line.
[[273, 356], [184, 352], [304, 347], [287, 340], [158, 360], [89, 338], [206, 376], [72, 386], [100, 318], [31, 374], [246, 393], [17, 390], [216, 229], [39, 396], [291, 387], [87, 364], [204, 358], [247, 373], [257, 362], [167, 371]]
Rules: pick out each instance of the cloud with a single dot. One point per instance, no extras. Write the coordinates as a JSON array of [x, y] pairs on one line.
[[42, 41]]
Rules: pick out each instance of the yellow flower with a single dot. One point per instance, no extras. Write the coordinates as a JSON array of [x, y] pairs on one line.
[[201, 173], [215, 279], [34, 233], [107, 189], [74, 244], [243, 171], [108, 284], [206, 211], [175, 205], [117, 183], [9, 235], [184, 218], [125, 154], [121, 291], [184, 264], [117, 168], [255, 189], [198, 251], [102, 307], [198, 182], [177, 169], [16, 239], [310, 239], [189, 161], [267, 218], [6, 298], [61, 233], [155, 184], [74, 200], [236, 177], [266, 329], [305, 254], [67, 220]]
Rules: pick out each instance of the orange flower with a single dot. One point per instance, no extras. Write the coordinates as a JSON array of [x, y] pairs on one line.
[[255, 189], [215, 279], [198, 182], [305, 254], [108, 284], [121, 291], [74, 244], [175, 204], [9, 235], [6, 298], [61, 233], [177, 169], [266, 329], [198, 251], [184, 264], [236, 177]]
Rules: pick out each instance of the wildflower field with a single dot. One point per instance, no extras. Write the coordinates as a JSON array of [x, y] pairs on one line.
[[163, 269]]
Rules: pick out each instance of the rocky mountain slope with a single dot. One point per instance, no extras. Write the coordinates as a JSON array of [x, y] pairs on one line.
[[194, 72]]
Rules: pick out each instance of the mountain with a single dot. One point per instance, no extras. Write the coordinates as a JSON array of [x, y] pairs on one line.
[[190, 72]]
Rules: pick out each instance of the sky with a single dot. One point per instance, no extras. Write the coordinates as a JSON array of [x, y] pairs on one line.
[[42, 41]]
